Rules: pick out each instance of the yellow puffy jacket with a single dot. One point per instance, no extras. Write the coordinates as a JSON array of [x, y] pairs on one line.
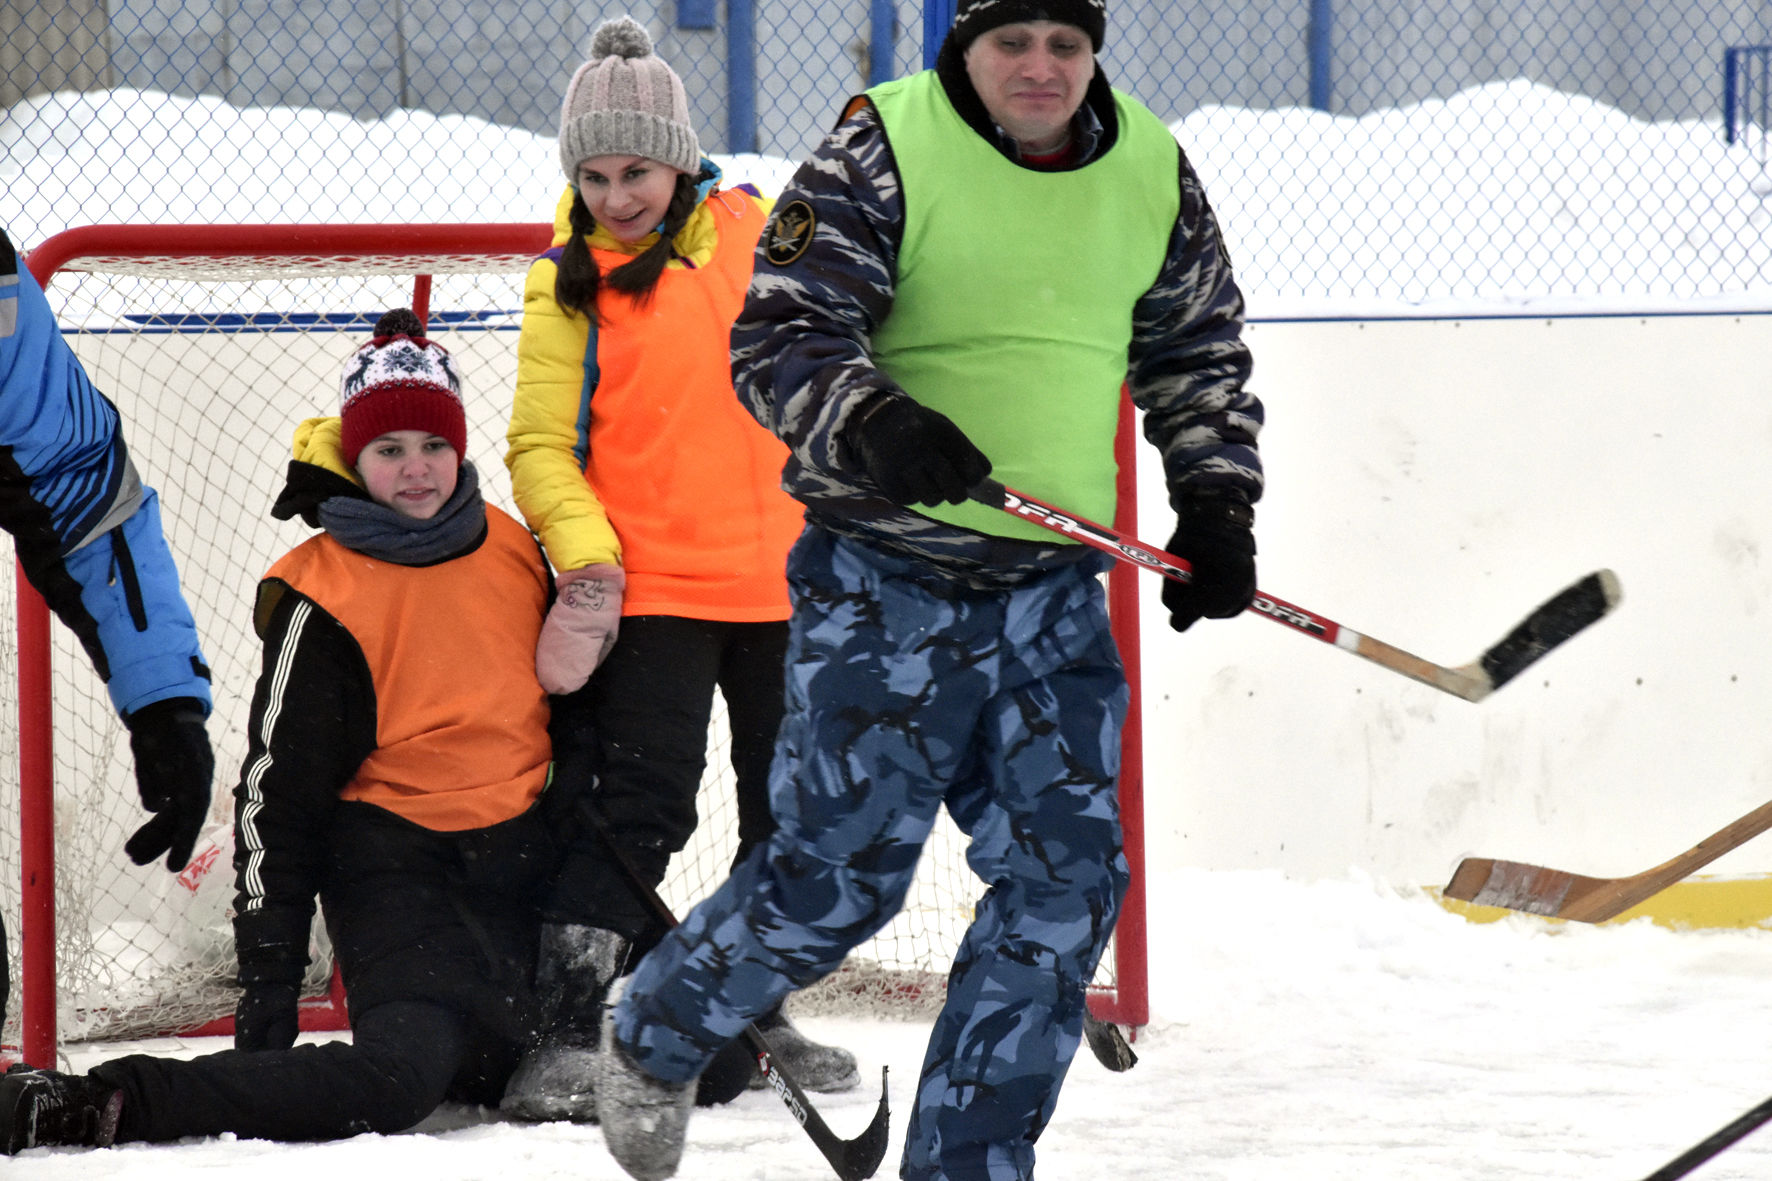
[[655, 465]]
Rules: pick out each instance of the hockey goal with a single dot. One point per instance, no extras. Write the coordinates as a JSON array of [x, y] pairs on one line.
[[214, 341]]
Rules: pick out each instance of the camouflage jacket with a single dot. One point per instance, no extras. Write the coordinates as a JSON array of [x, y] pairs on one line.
[[824, 283]]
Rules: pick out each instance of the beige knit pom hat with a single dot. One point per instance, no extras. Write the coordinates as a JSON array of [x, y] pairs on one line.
[[626, 101]]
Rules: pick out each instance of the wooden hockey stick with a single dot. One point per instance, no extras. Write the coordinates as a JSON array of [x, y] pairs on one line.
[[1535, 889], [1575, 607], [1712, 1144]]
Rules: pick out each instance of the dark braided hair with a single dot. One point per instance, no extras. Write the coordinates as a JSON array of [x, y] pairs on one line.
[[577, 279]]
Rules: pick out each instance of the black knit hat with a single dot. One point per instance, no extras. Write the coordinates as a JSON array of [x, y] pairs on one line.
[[981, 16]]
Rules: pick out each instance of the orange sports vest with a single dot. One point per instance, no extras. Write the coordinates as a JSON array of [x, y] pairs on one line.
[[461, 722], [690, 481]]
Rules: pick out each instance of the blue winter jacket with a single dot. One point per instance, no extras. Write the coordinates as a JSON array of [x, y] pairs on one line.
[[86, 529]]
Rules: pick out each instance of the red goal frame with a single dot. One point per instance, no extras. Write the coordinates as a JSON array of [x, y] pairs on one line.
[[1127, 1003]]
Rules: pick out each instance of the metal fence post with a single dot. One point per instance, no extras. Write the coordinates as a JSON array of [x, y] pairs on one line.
[[1747, 93], [741, 77], [938, 17], [1320, 50], [882, 41], [1731, 67]]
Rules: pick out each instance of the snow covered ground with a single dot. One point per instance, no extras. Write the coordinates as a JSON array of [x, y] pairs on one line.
[[1320, 1031]]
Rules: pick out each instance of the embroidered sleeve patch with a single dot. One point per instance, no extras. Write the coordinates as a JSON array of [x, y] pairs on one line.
[[790, 233]]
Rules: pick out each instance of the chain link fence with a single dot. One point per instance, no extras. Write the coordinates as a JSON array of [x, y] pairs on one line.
[[1355, 149]]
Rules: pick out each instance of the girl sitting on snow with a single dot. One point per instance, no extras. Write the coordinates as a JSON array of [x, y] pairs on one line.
[[398, 770]]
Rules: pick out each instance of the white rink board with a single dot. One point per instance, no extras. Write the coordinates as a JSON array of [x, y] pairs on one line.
[[1430, 482]]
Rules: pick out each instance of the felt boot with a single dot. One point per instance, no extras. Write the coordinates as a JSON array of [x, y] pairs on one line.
[[573, 973]]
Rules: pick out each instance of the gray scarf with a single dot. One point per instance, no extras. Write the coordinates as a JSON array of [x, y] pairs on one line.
[[380, 532]]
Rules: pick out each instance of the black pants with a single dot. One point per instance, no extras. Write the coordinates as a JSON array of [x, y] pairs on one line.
[[403, 1060], [435, 933], [644, 717]]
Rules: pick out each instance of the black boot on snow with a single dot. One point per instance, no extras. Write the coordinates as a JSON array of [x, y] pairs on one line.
[[572, 974], [815, 1067], [39, 1108]]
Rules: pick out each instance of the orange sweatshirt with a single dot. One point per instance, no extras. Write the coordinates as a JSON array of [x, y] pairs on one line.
[[461, 722]]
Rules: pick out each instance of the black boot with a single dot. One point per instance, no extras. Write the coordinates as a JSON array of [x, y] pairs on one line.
[[39, 1108], [572, 976], [815, 1067], [727, 1076]]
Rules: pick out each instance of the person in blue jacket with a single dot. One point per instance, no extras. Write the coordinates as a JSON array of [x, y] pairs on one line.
[[86, 531]]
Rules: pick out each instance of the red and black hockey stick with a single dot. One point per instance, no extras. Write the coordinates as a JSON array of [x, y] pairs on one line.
[[1570, 610]]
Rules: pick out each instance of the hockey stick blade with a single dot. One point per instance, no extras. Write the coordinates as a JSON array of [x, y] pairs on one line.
[[1565, 614], [853, 1160], [1572, 609], [1555, 893], [1108, 1044], [1712, 1144]]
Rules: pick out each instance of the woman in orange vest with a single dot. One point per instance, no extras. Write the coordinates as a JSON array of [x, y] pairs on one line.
[[399, 769], [658, 500]]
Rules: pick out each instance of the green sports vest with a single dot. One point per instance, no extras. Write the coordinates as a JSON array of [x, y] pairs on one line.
[[1015, 289]]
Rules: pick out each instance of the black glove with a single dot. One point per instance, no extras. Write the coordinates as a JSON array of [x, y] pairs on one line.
[[265, 1017], [173, 769], [1215, 533], [913, 454]]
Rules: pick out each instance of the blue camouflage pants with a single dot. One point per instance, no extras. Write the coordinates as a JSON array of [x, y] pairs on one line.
[[905, 693]]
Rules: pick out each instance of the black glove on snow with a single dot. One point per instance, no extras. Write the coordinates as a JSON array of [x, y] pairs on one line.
[[265, 1017], [1215, 533], [913, 454], [173, 769]]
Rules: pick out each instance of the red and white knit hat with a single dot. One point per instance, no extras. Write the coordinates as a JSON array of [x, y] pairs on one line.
[[400, 381]]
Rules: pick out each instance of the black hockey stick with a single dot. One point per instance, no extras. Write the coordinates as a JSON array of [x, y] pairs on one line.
[[853, 1160], [1575, 607], [1712, 1144]]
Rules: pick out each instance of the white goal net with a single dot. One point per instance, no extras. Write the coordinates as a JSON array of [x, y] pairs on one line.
[[212, 361]]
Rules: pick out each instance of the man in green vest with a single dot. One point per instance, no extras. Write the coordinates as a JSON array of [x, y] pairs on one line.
[[957, 284]]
